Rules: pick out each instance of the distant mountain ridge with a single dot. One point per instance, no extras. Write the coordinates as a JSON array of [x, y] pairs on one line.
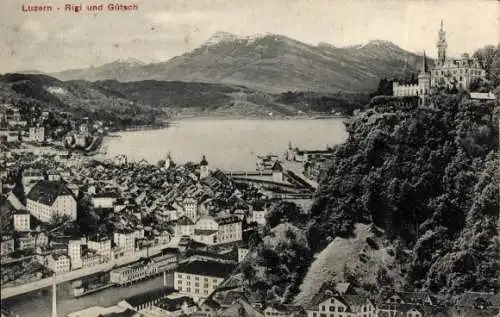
[[269, 62]]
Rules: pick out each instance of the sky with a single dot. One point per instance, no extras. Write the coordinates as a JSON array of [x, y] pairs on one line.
[[161, 29]]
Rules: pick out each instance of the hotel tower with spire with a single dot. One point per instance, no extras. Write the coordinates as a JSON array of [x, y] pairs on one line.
[[446, 73]]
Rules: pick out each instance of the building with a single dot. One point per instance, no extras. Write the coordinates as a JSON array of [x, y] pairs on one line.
[[75, 253], [91, 258], [22, 221], [198, 279], [169, 163], [422, 88], [174, 306], [30, 176], [277, 170], [164, 263], [327, 304], [190, 206], [7, 246], [125, 239], [447, 73], [144, 301], [204, 170], [58, 263], [120, 160], [37, 134], [101, 245], [131, 273], [242, 253], [482, 96], [48, 199], [32, 240], [104, 200], [278, 310], [297, 155], [258, 214], [184, 227], [211, 231]]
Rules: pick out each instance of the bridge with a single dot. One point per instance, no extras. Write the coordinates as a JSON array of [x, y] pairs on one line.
[[293, 181], [10, 291], [248, 173]]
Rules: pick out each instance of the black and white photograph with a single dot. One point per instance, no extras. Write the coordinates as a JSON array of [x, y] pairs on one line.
[[249, 158]]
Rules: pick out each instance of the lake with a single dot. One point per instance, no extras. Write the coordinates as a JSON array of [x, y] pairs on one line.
[[229, 144]]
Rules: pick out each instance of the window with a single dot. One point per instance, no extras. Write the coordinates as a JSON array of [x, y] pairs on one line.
[[332, 308], [322, 308], [341, 309]]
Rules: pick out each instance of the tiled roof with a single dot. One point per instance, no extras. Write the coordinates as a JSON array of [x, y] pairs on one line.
[[277, 167], [204, 232], [143, 298], [224, 220], [46, 192], [174, 304], [185, 221], [206, 268]]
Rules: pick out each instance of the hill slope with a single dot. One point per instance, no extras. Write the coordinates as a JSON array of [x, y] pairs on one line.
[[367, 257], [427, 177], [271, 63], [150, 100]]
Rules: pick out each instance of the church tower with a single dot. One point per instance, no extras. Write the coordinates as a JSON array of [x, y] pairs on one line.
[[441, 46], [424, 80], [168, 161], [204, 171]]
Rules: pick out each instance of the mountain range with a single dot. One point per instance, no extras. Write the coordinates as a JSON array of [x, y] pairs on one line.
[[269, 63]]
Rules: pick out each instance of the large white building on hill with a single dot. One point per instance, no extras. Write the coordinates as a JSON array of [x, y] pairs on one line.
[[446, 73]]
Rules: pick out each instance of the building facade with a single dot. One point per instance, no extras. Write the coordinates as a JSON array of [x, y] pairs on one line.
[[342, 306], [101, 245], [58, 263], [22, 221], [190, 206], [37, 134], [211, 231], [198, 279], [7, 246], [446, 73], [75, 253], [49, 199]]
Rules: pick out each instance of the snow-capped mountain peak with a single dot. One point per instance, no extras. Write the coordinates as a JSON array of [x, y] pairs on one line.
[[221, 37], [130, 61]]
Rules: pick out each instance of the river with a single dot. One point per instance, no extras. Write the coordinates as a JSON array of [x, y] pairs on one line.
[[39, 303], [229, 144]]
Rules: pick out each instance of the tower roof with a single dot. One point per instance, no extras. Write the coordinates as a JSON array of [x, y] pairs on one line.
[[424, 68], [204, 161], [277, 167]]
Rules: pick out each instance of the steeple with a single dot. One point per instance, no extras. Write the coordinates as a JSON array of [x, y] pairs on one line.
[[441, 45], [424, 68]]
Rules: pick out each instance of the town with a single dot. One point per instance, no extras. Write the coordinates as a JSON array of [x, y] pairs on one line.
[[94, 224]]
